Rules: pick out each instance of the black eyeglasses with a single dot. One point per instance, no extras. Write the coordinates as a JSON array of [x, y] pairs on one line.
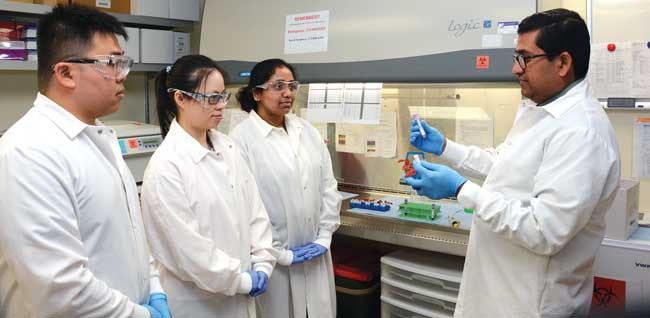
[[522, 59]]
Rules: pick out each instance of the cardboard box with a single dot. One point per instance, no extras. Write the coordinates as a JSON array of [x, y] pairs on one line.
[[52, 2], [156, 46], [115, 6], [132, 46], [184, 10], [622, 218], [622, 274], [152, 8]]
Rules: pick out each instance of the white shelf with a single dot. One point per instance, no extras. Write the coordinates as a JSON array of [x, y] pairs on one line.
[[141, 20], [33, 65], [10, 65], [615, 109], [28, 9]]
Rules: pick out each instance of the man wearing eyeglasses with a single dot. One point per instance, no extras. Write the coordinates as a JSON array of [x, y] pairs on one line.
[[539, 215], [72, 241]]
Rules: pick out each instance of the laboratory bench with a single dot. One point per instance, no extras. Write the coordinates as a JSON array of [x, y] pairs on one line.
[[399, 231]]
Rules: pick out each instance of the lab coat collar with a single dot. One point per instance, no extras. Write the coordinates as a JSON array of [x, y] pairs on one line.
[[185, 143], [570, 96], [265, 128], [259, 123], [62, 118]]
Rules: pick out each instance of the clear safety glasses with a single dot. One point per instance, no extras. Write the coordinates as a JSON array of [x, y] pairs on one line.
[[111, 66], [211, 99], [281, 85]]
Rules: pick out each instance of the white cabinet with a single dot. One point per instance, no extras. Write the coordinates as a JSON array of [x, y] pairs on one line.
[[419, 284], [152, 8], [156, 46], [132, 46], [184, 10], [181, 44]]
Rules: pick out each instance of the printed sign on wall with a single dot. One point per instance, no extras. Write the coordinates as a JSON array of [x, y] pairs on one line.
[[306, 32]]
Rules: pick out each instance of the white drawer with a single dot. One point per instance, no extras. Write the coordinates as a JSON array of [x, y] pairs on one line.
[[420, 280], [437, 293], [395, 308], [439, 273], [416, 299], [390, 311]]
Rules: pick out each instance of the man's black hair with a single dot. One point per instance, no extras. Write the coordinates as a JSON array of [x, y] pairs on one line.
[[67, 31], [561, 30]]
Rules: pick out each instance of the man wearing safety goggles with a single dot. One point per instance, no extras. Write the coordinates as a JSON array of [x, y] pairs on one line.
[[72, 240]]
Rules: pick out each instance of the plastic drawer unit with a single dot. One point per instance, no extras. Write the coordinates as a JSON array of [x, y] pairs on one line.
[[398, 309], [420, 284]]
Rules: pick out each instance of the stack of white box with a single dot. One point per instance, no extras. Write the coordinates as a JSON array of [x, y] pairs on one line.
[[172, 9], [160, 46], [419, 284]]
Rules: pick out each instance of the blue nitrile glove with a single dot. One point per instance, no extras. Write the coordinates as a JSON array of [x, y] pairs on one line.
[[432, 143], [153, 312], [314, 250], [259, 283], [159, 301], [435, 181], [300, 253], [254, 279]]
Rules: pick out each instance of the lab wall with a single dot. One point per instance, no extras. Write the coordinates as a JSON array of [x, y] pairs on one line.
[[608, 17], [19, 88]]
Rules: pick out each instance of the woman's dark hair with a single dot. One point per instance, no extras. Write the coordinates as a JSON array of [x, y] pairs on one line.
[[561, 30], [187, 74], [261, 73]]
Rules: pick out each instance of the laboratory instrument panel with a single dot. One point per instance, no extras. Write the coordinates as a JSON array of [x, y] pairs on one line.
[[140, 144], [138, 141], [135, 137]]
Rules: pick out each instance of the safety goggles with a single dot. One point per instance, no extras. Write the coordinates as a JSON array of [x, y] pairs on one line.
[[111, 66], [281, 85], [211, 99]]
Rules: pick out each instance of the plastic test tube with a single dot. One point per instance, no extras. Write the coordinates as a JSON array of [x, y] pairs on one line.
[[417, 120]]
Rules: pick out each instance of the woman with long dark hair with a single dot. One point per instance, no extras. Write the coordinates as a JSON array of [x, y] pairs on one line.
[[206, 225], [293, 170]]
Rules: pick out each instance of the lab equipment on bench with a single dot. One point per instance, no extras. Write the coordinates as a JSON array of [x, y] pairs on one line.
[[407, 166], [622, 218], [419, 210], [370, 204], [137, 141]]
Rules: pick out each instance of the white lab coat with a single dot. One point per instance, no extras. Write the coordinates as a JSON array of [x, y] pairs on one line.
[[206, 225], [539, 216], [294, 173], [71, 234]]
